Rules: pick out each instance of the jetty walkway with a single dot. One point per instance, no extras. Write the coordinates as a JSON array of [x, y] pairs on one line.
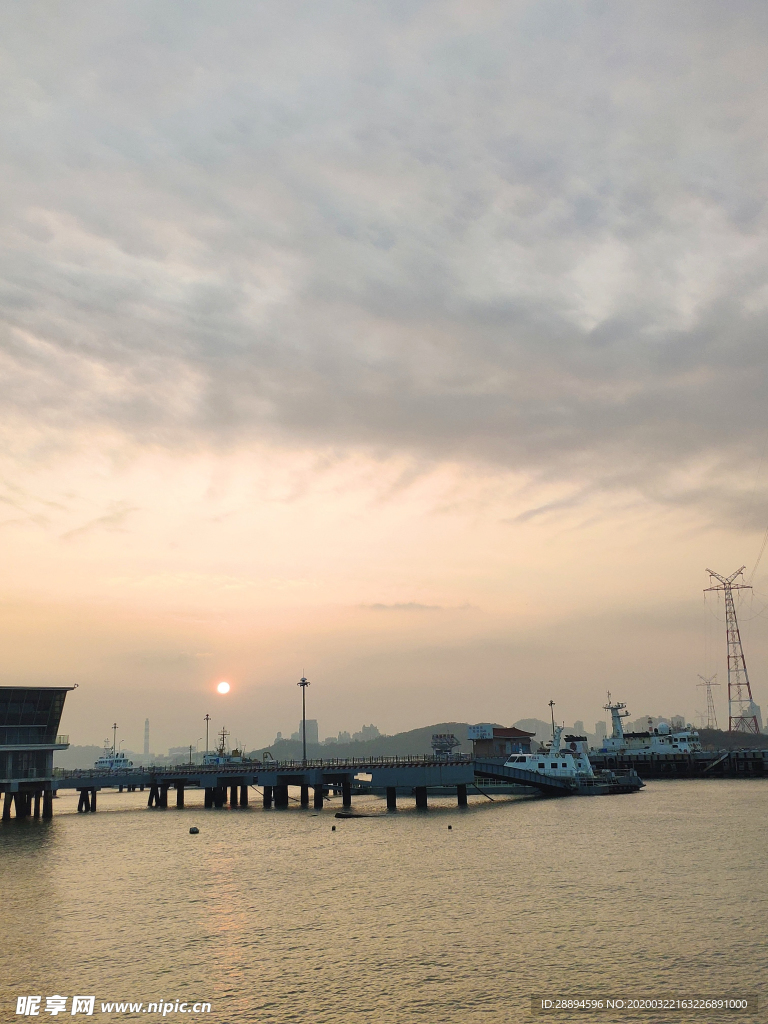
[[230, 782]]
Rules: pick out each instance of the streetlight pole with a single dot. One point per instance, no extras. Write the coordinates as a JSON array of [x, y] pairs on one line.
[[206, 720], [303, 683], [552, 710], [114, 739]]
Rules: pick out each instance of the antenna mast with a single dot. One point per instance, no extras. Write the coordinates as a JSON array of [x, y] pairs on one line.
[[711, 716], [741, 713]]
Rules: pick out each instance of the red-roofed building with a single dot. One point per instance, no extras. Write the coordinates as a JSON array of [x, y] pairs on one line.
[[496, 741]]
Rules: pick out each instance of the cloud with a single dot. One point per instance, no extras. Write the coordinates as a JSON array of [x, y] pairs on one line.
[[406, 606], [111, 521], [532, 236]]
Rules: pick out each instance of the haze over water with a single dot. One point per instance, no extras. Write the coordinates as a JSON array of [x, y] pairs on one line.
[[273, 917]]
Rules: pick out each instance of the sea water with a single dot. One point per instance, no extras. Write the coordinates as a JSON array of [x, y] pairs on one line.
[[272, 916]]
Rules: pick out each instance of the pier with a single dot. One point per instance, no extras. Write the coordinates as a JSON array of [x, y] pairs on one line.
[[229, 784]]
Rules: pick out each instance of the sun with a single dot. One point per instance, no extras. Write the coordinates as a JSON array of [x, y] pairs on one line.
[[223, 687]]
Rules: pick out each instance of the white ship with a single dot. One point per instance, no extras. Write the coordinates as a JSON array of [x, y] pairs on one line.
[[220, 755], [572, 763], [112, 761], [557, 761], [661, 740]]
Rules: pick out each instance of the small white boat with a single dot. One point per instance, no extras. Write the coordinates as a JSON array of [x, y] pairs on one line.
[[111, 761], [556, 762]]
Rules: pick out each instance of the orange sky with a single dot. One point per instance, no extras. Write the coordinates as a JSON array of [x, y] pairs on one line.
[[416, 347]]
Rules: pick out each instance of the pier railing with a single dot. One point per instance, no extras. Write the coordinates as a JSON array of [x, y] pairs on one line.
[[247, 766]]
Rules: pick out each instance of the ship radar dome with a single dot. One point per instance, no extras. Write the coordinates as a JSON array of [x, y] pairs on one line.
[[663, 729]]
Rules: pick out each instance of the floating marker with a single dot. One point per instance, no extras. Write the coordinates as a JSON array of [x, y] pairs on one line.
[[194, 830], [450, 827], [333, 828]]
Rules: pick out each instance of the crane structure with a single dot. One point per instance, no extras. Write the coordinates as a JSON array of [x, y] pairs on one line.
[[741, 708], [711, 715]]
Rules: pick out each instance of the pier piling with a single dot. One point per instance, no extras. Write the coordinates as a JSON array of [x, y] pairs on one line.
[[391, 798], [304, 796], [318, 801], [244, 795], [281, 796], [346, 794], [47, 803], [7, 801], [461, 795], [180, 796], [267, 797], [420, 792]]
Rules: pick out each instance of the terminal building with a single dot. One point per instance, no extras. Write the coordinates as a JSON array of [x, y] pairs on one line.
[[496, 741], [29, 734]]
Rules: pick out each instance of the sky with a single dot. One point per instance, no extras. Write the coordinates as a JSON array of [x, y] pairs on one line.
[[417, 347]]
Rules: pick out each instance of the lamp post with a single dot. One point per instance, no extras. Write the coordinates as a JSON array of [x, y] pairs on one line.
[[206, 720], [552, 711], [303, 683]]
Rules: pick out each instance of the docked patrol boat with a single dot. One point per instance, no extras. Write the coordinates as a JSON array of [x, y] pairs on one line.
[[112, 761], [662, 740], [572, 764]]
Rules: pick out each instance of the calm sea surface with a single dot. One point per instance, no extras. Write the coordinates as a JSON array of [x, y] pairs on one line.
[[271, 916]]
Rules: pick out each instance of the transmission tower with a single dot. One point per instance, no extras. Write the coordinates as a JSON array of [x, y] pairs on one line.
[[741, 713], [711, 716]]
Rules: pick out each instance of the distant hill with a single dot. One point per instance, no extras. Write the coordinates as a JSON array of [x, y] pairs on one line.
[[416, 741]]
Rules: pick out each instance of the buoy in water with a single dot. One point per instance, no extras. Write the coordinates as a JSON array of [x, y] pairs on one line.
[[450, 827], [333, 828], [194, 830]]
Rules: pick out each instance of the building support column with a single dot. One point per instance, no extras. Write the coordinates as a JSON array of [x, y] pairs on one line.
[[391, 798], [208, 796], [220, 796], [233, 796], [244, 795], [154, 796], [83, 804], [47, 803], [281, 796], [318, 801], [346, 793], [461, 794], [267, 797], [180, 796], [36, 812], [93, 801], [421, 797], [164, 795], [305, 796], [7, 801]]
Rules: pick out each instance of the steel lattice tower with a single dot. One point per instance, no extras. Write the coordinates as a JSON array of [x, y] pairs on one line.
[[741, 716], [711, 715]]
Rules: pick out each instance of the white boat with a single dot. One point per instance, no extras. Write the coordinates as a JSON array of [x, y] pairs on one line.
[[556, 762], [111, 761], [661, 740]]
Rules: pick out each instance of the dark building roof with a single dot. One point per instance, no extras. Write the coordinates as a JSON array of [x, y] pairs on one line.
[[511, 733]]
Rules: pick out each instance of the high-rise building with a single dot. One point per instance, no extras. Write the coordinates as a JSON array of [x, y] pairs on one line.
[[313, 735], [146, 737]]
